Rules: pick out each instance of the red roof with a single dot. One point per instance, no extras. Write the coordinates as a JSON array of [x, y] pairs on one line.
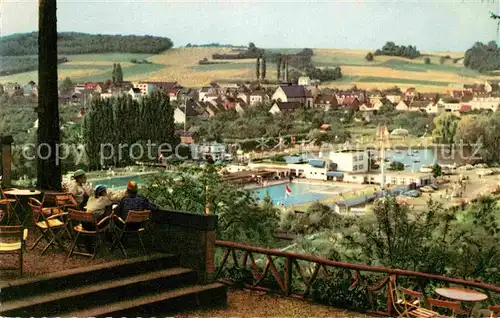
[[465, 108], [349, 100], [410, 90]]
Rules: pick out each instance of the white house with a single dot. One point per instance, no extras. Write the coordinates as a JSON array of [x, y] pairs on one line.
[[485, 103], [145, 88], [135, 93], [304, 80], [438, 108], [350, 160], [215, 150], [179, 116]]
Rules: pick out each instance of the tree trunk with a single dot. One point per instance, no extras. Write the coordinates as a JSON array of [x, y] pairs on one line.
[[279, 70], [48, 165]]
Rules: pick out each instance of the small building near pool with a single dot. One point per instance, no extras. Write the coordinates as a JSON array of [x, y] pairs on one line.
[[398, 178], [354, 205]]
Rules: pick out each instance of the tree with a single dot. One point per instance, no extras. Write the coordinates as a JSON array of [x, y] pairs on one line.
[[442, 59], [397, 166], [252, 47], [257, 68], [264, 69], [445, 128], [369, 57], [119, 74], [113, 75], [437, 171], [48, 168], [66, 86], [427, 60], [278, 68]]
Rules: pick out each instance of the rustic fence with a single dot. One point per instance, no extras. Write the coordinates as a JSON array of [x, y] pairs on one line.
[[266, 275]]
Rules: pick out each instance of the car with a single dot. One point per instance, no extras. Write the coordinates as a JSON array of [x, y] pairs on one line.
[[434, 186], [412, 193]]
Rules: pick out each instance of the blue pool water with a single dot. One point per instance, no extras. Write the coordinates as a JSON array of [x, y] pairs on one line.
[[408, 158], [119, 182], [301, 192]]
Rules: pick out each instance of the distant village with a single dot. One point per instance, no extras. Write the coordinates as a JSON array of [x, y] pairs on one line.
[[206, 102]]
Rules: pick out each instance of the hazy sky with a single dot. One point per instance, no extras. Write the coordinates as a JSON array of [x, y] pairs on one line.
[[430, 25]]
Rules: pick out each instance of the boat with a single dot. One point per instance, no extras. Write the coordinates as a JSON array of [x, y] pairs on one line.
[[415, 151], [416, 160]]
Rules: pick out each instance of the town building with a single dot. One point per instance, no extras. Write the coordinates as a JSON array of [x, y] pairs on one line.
[[293, 93], [350, 160], [284, 107]]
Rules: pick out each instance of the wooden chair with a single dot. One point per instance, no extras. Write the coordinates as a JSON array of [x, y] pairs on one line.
[[453, 306], [9, 206], [494, 311], [136, 219], [50, 227], [66, 200], [406, 302], [76, 218], [12, 240]]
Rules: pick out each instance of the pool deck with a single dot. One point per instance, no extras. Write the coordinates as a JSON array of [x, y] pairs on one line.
[[270, 183]]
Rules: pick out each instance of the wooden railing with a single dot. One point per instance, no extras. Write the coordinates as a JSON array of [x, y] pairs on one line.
[[243, 257]]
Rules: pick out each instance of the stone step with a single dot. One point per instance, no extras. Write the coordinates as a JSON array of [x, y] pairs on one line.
[[99, 294], [91, 275], [162, 304]]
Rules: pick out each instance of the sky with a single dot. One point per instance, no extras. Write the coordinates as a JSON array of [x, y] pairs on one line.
[[432, 25]]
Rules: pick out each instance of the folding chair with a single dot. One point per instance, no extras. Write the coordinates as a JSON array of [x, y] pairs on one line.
[[406, 302], [76, 218], [494, 311], [135, 223], [12, 240], [50, 227], [65, 201], [9, 206], [451, 305]]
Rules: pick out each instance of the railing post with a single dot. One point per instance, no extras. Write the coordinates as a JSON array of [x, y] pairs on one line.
[[288, 275]]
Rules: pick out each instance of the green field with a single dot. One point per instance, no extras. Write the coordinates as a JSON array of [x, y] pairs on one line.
[[420, 67], [129, 71], [374, 79], [107, 57]]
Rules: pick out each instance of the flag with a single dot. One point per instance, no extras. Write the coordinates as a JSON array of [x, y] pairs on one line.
[[288, 191]]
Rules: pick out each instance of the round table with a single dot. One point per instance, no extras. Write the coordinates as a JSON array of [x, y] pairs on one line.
[[461, 294], [21, 193]]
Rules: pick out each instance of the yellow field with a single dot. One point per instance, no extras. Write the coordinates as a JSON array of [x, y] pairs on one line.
[[182, 65]]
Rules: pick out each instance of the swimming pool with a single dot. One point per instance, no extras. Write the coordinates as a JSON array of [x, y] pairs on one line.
[[120, 183], [301, 192]]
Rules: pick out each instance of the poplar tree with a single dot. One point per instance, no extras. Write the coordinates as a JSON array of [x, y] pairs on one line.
[[257, 68], [264, 70]]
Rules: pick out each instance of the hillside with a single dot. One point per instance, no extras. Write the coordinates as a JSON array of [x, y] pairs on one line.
[[18, 52], [182, 65], [83, 43]]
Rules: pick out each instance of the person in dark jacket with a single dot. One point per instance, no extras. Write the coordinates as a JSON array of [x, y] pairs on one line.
[[133, 202]]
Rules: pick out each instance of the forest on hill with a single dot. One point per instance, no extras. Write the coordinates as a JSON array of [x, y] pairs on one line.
[[483, 57], [83, 43]]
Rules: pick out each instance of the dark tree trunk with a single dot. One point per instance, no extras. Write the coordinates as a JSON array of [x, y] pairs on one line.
[[279, 70], [283, 64], [257, 69], [286, 70], [48, 167], [264, 69]]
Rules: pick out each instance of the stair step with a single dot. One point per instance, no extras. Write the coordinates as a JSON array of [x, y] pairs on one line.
[[99, 294], [72, 278], [164, 303]]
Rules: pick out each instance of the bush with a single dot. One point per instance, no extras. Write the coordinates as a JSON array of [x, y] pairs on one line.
[[427, 60], [369, 57]]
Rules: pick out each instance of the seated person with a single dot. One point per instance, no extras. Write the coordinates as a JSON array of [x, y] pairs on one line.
[[132, 202], [79, 189], [99, 204]]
